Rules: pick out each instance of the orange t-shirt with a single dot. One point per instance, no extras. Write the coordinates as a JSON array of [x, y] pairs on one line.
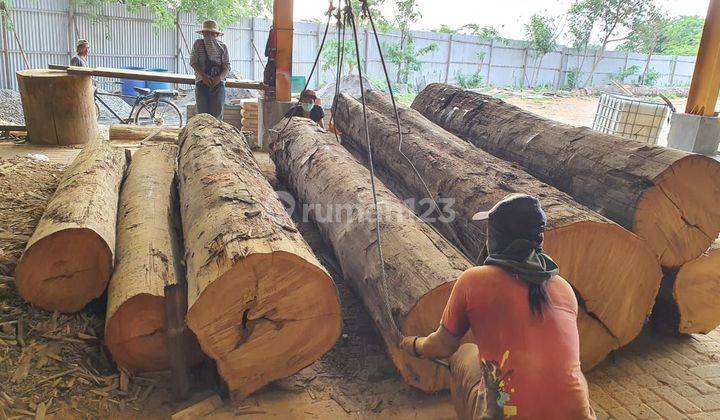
[[534, 361]]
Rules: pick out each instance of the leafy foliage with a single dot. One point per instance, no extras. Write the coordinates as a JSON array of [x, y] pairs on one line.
[[406, 58], [573, 78], [445, 29], [330, 55], [623, 73], [223, 11], [487, 32], [682, 35], [472, 81], [541, 33], [603, 19]]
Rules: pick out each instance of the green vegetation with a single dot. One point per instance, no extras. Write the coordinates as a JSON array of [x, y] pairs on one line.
[[223, 11], [403, 54], [330, 55], [624, 73], [541, 33], [472, 81], [682, 35]]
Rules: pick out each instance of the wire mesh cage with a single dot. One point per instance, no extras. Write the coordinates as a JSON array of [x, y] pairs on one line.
[[631, 118]]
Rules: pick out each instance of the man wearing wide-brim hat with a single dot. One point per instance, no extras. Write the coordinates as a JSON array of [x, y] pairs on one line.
[[211, 62]]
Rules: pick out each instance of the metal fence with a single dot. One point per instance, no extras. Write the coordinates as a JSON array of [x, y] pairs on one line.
[[41, 32]]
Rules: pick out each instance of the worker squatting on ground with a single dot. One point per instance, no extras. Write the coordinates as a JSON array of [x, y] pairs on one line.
[[308, 107], [82, 50], [522, 315], [211, 62]]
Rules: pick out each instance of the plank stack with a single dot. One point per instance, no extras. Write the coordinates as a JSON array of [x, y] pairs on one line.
[[250, 117], [617, 297], [667, 197], [232, 114]]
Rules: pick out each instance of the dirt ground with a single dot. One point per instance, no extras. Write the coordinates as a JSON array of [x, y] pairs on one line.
[[653, 377]]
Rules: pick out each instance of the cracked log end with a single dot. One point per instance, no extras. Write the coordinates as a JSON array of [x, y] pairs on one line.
[[613, 271], [65, 270], [266, 318], [679, 216]]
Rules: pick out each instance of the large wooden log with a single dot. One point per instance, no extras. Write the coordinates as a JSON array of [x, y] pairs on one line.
[[421, 264], [260, 303], [665, 196], [129, 132], [59, 107], [149, 257], [69, 258], [614, 273], [689, 298]]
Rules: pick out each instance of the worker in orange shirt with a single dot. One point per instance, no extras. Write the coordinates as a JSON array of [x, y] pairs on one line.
[[524, 362]]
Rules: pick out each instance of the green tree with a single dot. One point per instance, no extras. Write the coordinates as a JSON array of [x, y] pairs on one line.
[[647, 36], [330, 55], [445, 29], [682, 35], [541, 33], [223, 11], [486, 32], [403, 54], [604, 19]]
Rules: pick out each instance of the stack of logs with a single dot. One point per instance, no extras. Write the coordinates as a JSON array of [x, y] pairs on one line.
[[665, 196], [252, 291]]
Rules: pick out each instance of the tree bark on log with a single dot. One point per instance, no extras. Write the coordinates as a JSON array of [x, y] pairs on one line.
[[260, 303], [59, 107], [689, 300], [128, 132], [615, 275], [421, 265], [69, 258], [665, 196], [149, 257]]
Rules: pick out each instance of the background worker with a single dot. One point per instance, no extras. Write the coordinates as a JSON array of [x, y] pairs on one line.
[[525, 359], [308, 107], [210, 60], [82, 51]]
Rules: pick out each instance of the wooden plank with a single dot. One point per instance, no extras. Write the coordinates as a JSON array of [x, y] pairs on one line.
[[187, 79]]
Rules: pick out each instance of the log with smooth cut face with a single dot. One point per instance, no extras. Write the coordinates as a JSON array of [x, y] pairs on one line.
[[69, 258], [421, 265], [667, 197], [260, 303], [149, 257], [613, 272]]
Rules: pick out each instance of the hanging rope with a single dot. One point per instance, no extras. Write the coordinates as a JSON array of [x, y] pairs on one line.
[[368, 15]]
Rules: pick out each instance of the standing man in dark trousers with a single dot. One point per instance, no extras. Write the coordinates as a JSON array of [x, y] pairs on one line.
[[211, 62]]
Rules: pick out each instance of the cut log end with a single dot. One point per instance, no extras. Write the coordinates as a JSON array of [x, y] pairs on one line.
[[596, 341], [135, 334], [65, 270], [422, 320], [679, 216], [696, 293], [247, 320], [595, 257]]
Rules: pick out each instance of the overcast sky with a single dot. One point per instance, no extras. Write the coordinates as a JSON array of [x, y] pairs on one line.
[[507, 15]]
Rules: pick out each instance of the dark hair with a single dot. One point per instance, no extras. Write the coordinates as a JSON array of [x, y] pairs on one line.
[[538, 298]]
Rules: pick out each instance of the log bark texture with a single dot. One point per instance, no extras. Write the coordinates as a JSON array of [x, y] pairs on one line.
[[666, 196], [129, 132], [68, 260], [612, 271], [260, 303], [148, 258], [421, 265], [59, 108]]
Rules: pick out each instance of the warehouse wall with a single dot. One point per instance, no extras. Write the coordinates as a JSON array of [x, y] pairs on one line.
[[47, 30]]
